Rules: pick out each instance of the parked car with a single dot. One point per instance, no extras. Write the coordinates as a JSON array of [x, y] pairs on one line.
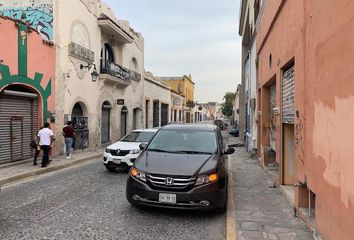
[[234, 131], [183, 167], [124, 152]]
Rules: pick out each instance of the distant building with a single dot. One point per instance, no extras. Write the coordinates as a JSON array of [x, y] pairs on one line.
[[157, 97], [183, 85]]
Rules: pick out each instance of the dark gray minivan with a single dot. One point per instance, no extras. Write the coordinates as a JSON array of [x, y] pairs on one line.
[[184, 167]]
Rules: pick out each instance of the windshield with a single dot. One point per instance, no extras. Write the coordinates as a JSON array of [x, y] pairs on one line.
[[138, 137], [184, 141]]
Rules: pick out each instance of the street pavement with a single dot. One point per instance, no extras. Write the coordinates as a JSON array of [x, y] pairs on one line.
[[87, 202], [261, 212]]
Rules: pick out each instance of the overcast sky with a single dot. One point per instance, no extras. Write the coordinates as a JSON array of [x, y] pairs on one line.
[[198, 37]]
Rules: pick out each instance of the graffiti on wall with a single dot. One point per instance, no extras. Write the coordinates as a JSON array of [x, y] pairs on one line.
[[300, 135], [38, 14]]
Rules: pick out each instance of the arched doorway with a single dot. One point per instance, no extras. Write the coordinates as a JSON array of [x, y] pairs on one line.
[[19, 122], [80, 124], [123, 121], [105, 122]]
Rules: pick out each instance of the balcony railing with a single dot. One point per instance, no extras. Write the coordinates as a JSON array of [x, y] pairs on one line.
[[115, 70], [118, 74]]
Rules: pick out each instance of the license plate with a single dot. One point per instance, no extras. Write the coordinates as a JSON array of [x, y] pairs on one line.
[[116, 161], [167, 198]]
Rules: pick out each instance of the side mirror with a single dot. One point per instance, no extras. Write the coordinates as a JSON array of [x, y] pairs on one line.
[[142, 146], [229, 151]]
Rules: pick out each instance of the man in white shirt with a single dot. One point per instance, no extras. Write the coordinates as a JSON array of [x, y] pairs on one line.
[[45, 139]]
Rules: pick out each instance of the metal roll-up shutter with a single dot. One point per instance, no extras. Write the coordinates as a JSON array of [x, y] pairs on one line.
[[105, 125], [18, 126], [288, 96]]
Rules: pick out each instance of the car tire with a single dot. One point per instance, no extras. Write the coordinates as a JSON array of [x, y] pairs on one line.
[[224, 207], [111, 168]]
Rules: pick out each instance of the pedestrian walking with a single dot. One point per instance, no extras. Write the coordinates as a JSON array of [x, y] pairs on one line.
[[69, 135], [45, 139]]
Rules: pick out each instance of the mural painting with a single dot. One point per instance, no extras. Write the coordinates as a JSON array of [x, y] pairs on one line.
[[38, 14], [7, 78]]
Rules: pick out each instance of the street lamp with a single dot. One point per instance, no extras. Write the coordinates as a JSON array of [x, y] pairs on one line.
[[94, 73]]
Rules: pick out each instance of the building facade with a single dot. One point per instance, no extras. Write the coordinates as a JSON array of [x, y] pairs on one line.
[[183, 85], [177, 110], [306, 99], [157, 97], [91, 72], [250, 10], [89, 38], [27, 86]]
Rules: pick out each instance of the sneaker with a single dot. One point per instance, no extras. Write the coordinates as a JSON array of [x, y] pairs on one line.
[[67, 157]]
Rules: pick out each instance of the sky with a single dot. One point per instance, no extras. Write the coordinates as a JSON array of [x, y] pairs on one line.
[[182, 37]]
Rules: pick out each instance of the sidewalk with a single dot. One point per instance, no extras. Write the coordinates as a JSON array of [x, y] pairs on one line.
[[260, 211], [22, 171]]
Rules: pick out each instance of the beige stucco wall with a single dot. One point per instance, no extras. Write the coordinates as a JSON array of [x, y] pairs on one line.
[[76, 21], [156, 90]]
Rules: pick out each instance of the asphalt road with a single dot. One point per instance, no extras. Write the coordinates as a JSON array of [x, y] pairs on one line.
[[87, 202]]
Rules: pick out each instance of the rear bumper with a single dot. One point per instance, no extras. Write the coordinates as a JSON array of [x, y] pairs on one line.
[[205, 197]]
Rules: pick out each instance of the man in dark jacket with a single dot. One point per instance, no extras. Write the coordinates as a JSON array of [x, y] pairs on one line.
[[69, 135]]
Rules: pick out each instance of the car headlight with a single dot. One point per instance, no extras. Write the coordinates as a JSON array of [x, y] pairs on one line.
[[108, 150], [207, 179], [135, 173], [135, 151]]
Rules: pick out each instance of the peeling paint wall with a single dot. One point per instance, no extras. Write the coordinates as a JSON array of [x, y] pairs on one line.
[[334, 151]]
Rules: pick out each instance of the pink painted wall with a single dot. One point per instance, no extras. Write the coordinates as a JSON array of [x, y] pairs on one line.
[[40, 58], [8, 47], [330, 115], [319, 36]]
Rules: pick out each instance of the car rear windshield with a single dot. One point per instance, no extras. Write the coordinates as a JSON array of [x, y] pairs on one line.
[[184, 141], [138, 137]]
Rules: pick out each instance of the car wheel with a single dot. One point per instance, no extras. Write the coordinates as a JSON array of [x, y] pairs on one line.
[[111, 168], [224, 206]]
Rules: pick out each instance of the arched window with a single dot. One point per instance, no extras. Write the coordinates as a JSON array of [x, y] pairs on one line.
[[107, 57]]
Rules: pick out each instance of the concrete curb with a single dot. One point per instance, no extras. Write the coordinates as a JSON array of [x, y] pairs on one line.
[[230, 215], [40, 171]]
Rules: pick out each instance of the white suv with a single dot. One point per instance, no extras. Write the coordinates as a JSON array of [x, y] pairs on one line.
[[124, 152]]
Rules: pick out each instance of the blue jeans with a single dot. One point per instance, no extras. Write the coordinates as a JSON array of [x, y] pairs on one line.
[[68, 146]]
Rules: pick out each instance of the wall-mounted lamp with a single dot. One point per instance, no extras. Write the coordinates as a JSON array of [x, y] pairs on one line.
[[94, 73]]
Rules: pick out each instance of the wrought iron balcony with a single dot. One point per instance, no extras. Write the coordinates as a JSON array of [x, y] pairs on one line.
[[115, 73]]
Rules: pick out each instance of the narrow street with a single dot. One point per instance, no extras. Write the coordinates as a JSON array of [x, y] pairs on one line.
[[87, 202]]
